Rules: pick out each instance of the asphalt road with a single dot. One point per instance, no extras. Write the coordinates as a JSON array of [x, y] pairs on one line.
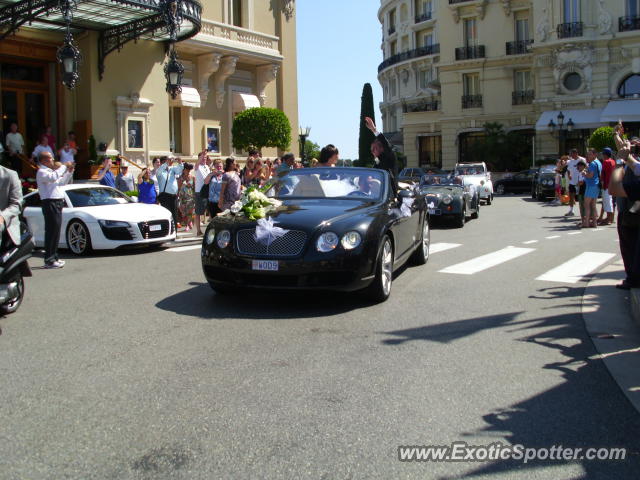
[[128, 366]]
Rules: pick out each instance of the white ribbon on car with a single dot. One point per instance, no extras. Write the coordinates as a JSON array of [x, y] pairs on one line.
[[405, 208], [266, 231]]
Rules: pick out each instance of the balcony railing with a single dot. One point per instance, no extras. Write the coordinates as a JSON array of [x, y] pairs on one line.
[[467, 53], [391, 30], [519, 47], [471, 101], [425, 106], [408, 55], [629, 23], [423, 17], [243, 38], [569, 30], [522, 97]]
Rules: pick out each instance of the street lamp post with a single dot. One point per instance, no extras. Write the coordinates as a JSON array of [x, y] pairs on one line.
[[562, 130], [303, 134]]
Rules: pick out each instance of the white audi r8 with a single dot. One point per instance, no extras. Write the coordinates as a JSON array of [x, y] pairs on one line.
[[101, 218]]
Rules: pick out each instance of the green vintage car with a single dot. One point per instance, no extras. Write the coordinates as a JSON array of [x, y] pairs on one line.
[[448, 198]]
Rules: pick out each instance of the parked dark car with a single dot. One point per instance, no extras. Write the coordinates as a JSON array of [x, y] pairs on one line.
[[447, 197], [517, 183], [544, 182], [343, 229]]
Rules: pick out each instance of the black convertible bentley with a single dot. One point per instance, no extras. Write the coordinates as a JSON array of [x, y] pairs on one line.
[[327, 228]]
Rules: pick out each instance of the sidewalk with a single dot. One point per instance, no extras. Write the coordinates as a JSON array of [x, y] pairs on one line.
[[614, 327]]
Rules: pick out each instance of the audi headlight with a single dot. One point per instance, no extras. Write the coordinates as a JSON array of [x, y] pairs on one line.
[[351, 240], [113, 223], [211, 235], [447, 199], [326, 242], [224, 237]]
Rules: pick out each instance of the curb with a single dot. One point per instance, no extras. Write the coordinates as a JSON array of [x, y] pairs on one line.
[[609, 322]]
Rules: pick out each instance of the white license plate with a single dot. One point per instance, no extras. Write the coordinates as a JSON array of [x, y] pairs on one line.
[[155, 228], [434, 211], [268, 265]]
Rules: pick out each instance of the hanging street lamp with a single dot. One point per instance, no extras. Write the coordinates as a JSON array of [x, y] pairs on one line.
[[68, 55], [173, 72]]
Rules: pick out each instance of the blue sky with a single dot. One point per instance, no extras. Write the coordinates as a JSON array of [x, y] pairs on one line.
[[338, 52]]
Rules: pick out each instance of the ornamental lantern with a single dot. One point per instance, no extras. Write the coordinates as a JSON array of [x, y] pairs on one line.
[[173, 71]]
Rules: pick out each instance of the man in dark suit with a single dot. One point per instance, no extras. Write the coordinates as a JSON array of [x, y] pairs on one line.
[[10, 206], [381, 149]]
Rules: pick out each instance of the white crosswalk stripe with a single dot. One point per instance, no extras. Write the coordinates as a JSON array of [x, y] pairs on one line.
[[577, 268], [441, 247], [487, 261]]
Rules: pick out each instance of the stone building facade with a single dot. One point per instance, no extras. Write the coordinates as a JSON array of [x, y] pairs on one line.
[[452, 66]]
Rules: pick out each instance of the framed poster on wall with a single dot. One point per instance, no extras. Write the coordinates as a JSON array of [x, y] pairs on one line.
[[212, 139], [135, 133]]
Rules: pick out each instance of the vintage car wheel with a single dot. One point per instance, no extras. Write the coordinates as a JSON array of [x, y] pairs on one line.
[[78, 238], [462, 218], [421, 255], [380, 289], [500, 189], [476, 214]]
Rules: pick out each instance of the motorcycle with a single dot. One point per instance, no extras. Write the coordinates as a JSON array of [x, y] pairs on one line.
[[13, 268]]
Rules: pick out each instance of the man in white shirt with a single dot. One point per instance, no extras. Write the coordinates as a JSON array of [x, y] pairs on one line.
[[167, 175], [49, 178], [15, 146], [202, 173], [574, 175]]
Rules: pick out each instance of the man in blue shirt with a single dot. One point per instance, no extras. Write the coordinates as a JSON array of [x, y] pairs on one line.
[[167, 177], [592, 182], [105, 177]]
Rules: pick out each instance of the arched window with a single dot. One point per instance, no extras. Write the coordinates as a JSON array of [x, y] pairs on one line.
[[630, 86]]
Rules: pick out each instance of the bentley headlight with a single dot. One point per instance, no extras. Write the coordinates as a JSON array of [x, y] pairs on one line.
[[211, 235], [447, 199], [326, 242], [351, 240], [224, 237]]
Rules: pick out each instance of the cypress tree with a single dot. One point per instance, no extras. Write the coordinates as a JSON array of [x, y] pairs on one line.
[[366, 136]]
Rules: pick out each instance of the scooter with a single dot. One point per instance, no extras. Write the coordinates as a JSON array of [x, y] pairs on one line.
[[13, 268]]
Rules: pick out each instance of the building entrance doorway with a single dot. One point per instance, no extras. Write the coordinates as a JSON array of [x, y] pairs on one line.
[[24, 99]]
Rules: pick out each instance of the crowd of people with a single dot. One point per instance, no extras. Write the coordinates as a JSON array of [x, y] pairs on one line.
[[616, 178], [15, 147]]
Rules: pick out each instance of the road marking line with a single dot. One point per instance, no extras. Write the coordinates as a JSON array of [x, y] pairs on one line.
[[552, 237], [574, 233], [530, 242], [441, 247], [575, 269], [489, 260], [183, 249]]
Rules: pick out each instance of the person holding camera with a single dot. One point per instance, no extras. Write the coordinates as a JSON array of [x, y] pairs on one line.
[[167, 175], [105, 177], [49, 178]]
